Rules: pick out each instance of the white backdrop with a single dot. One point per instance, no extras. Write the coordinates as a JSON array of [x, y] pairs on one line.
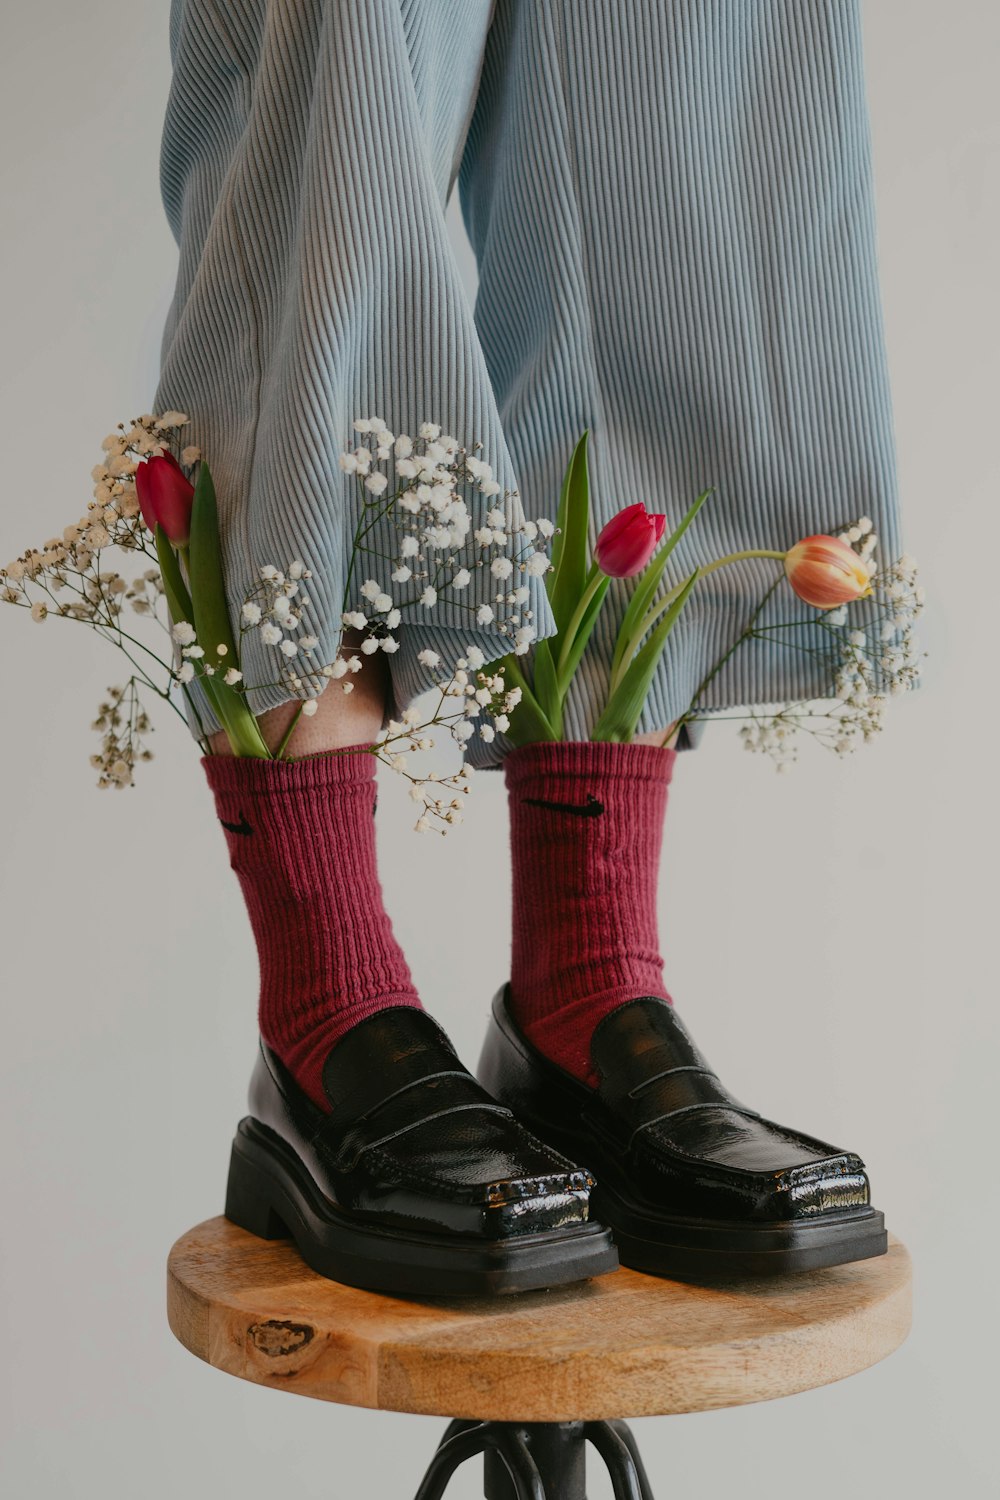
[[831, 934]]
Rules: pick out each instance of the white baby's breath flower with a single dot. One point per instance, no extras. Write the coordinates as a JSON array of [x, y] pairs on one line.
[[39, 611], [376, 483], [402, 574], [250, 613], [484, 614], [183, 633], [191, 454], [382, 603], [355, 620], [537, 565], [409, 547], [270, 633], [501, 567], [233, 676], [428, 658], [462, 579], [369, 645], [288, 648], [185, 672], [429, 597], [309, 707]]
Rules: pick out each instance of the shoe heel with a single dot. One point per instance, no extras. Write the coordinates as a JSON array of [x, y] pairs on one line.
[[248, 1200]]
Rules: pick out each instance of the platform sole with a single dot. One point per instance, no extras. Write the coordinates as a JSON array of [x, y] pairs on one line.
[[702, 1250], [271, 1194]]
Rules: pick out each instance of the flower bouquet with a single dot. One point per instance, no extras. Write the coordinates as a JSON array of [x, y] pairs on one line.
[[867, 660], [158, 506]]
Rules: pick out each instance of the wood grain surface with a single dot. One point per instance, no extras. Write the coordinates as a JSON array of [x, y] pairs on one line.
[[624, 1345]]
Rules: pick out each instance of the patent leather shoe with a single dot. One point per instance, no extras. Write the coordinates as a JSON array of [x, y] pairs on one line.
[[416, 1182], [694, 1185]]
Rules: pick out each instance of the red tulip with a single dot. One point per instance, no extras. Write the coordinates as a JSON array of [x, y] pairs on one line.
[[165, 496], [628, 541], [826, 572]]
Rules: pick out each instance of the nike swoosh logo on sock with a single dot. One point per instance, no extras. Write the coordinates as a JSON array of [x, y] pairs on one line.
[[241, 827], [589, 809]]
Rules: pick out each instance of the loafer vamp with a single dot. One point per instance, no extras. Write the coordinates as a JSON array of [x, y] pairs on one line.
[[413, 1139], [713, 1163]]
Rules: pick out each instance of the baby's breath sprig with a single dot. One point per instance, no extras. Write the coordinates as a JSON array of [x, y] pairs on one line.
[[868, 649], [436, 549]]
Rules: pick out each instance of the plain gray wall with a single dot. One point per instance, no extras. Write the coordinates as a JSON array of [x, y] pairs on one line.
[[831, 934]]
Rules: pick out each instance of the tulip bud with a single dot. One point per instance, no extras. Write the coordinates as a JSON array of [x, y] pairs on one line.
[[826, 572], [628, 541], [165, 496]]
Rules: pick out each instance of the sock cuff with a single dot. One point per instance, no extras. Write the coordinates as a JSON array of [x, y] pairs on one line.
[[589, 759], [352, 766]]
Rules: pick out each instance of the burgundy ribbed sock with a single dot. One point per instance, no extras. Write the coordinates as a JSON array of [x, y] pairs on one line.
[[586, 823], [301, 838]]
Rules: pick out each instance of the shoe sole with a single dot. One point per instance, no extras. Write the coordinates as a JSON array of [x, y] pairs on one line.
[[271, 1194], [702, 1250], [705, 1250]]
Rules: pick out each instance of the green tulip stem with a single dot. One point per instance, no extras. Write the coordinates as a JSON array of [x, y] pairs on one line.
[[594, 580], [646, 624], [283, 746]]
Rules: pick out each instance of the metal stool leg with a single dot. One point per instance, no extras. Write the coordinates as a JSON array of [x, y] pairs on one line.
[[619, 1459], [627, 1436], [502, 1445], [538, 1460]]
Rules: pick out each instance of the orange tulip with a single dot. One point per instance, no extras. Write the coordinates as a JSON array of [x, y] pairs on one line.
[[826, 572]]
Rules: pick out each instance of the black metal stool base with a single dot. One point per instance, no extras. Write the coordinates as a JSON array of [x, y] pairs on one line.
[[538, 1460]]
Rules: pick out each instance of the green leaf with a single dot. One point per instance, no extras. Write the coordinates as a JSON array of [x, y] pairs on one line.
[[568, 577], [208, 590], [545, 684], [645, 589], [620, 717], [211, 621], [584, 631]]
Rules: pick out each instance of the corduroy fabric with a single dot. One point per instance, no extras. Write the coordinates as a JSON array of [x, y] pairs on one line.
[[586, 826], [301, 838], [671, 207]]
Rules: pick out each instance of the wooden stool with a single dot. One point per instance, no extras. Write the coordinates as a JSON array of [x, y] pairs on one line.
[[531, 1379]]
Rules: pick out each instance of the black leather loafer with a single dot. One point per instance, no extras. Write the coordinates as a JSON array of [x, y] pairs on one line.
[[694, 1185], [417, 1182]]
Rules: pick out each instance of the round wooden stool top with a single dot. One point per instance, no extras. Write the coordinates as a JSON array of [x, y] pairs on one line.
[[624, 1345]]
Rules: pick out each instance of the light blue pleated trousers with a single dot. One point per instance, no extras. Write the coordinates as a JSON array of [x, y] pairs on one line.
[[671, 206]]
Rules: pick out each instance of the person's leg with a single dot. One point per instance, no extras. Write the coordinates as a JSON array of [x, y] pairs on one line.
[[301, 838], [671, 210], [698, 291], [307, 158], [308, 152]]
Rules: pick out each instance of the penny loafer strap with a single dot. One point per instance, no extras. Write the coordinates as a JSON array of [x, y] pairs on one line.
[[669, 1092], [417, 1102]]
